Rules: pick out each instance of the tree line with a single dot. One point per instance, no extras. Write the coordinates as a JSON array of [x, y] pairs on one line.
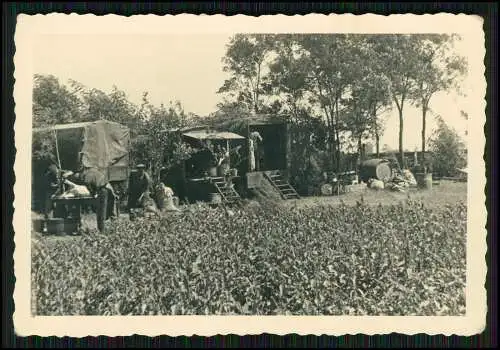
[[58, 103], [346, 81], [334, 89]]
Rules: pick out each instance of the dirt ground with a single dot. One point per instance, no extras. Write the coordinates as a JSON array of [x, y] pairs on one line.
[[446, 192]]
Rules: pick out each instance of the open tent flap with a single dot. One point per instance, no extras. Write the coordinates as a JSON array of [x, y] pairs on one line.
[[69, 144]]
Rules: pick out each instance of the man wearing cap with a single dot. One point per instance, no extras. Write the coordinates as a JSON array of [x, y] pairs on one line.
[[100, 188], [139, 186]]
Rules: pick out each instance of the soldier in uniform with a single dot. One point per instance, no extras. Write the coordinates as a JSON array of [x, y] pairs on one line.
[[139, 186], [100, 188], [52, 184]]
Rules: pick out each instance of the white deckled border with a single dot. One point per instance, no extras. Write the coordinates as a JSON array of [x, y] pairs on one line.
[[28, 27]]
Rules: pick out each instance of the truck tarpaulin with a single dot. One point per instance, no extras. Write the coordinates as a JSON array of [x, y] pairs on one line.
[[101, 144]]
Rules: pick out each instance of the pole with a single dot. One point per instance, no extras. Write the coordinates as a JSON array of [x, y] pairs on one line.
[[248, 146], [61, 185], [57, 149]]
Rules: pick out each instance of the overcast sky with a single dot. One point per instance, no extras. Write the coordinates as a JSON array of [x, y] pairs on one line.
[[188, 68]]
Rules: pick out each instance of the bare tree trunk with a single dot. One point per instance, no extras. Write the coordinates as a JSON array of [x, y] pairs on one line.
[[401, 151], [377, 135], [424, 114], [256, 92], [337, 132], [334, 147], [360, 146], [330, 138]]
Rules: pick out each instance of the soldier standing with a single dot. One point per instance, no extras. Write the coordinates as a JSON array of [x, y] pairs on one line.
[[52, 179], [99, 188], [255, 151], [139, 185]]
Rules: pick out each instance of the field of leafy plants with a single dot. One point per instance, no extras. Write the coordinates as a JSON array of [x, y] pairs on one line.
[[401, 259]]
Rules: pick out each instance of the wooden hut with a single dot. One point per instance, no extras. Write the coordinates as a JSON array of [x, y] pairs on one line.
[[272, 161]]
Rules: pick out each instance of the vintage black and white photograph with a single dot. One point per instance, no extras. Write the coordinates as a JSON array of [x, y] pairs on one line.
[[251, 173]]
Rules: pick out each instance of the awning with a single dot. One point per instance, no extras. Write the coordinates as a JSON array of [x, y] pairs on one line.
[[213, 135]]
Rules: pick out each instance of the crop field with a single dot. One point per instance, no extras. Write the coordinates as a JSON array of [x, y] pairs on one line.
[[405, 257]]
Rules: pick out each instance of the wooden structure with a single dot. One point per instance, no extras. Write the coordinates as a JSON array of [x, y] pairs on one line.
[[198, 178], [71, 208], [273, 158], [284, 188]]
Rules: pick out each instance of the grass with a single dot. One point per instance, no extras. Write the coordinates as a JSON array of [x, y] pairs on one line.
[[447, 192], [321, 257]]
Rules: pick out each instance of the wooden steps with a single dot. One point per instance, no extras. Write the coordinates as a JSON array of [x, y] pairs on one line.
[[228, 193], [282, 186]]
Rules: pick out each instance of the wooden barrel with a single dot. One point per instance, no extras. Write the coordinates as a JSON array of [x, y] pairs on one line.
[[378, 169], [424, 180]]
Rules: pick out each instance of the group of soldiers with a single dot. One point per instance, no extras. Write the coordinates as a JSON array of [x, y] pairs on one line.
[[95, 181]]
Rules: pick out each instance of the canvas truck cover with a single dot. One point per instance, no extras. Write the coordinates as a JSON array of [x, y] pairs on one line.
[[101, 144]]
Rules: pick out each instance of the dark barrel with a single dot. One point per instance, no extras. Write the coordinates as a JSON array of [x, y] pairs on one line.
[[379, 169], [424, 180]]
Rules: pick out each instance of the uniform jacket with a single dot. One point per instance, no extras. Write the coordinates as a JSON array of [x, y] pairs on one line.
[[139, 184]]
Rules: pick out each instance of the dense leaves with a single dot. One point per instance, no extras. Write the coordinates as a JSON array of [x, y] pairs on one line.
[[55, 103], [364, 260], [345, 80], [449, 151]]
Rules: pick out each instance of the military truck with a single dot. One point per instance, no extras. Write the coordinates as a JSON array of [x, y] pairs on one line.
[[102, 144]]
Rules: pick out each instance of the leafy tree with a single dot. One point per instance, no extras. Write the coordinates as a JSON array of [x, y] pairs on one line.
[[245, 61], [370, 88], [155, 145], [312, 73], [370, 97], [438, 70], [398, 52], [53, 103], [448, 150], [332, 71]]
